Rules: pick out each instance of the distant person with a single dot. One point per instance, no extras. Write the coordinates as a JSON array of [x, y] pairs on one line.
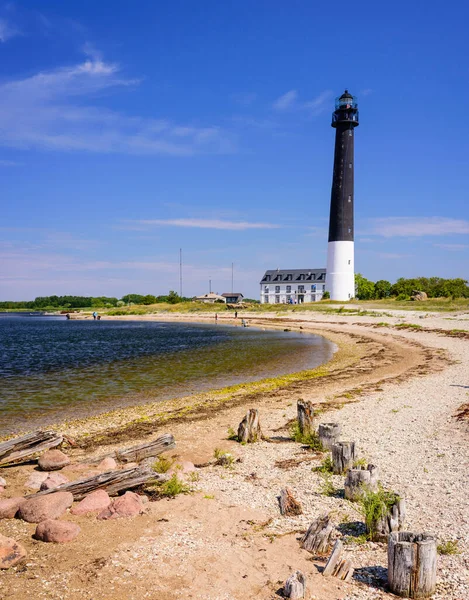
[[236, 314], [95, 315], [99, 317], [216, 317]]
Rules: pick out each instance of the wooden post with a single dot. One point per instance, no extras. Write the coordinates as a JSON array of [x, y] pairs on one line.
[[412, 564], [249, 429], [27, 446], [148, 449], [317, 539], [389, 520], [295, 586], [360, 480], [305, 417], [337, 567], [343, 456], [329, 434], [289, 506]]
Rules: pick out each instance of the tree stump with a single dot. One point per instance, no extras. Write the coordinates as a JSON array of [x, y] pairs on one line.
[[329, 434], [412, 564], [360, 480], [295, 586], [249, 429], [289, 506], [337, 567], [390, 519], [343, 456], [305, 417], [317, 539]]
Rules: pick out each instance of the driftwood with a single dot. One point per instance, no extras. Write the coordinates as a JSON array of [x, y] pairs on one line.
[[289, 506], [154, 448], [305, 417], [337, 567], [412, 564], [360, 480], [27, 446], [329, 434], [343, 456], [391, 519], [111, 481], [317, 539], [295, 586], [249, 429]]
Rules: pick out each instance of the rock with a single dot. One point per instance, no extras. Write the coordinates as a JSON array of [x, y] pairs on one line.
[[96, 502], [49, 506], [2, 489], [53, 460], [128, 505], [11, 552], [56, 531], [35, 480], [54, 480], [107, 464], [182, 467], [3, 483], [10, 506]]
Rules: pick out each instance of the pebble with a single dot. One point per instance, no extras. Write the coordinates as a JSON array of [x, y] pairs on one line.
[[53, 460]]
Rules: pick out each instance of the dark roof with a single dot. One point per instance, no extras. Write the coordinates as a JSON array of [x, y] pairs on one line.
[[278, 275], [232, 294]]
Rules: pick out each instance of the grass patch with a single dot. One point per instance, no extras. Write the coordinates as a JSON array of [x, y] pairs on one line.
[[327, 487], [407, 326], [225, 459], [311, 439], [326, 466], [169, 489], [448, 547], [232, 434], [375, 505], [162, 464], [360, 462], [209, 497]]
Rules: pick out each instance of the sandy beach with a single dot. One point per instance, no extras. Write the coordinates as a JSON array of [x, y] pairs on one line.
[[395, 386]]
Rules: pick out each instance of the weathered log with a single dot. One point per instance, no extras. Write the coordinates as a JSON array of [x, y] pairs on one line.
[[343, 456], [336, 566], [27, 446], [360, 480], [317, 539], [154, 448], [111, 481], [390, 519], [412, 562], [295, 586], [305, 413], [289, 506], [329, 434], [249, 429]]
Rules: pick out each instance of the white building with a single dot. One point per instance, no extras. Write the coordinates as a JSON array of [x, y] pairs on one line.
[[292, 286]]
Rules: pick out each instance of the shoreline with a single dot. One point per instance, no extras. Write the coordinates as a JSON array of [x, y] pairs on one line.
[[394, 392]]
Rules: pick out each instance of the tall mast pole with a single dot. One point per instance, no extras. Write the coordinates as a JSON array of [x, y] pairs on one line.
[[180, 272], [232, 277]]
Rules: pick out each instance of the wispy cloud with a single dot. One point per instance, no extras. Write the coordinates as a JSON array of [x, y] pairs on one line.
[[9, 163], [290, 101], [392, 255], [452, 247], [52, 110], [418, 226], [203, 224], [7, 31]]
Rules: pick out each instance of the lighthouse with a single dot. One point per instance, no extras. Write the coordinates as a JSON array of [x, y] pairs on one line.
[[340, 279]]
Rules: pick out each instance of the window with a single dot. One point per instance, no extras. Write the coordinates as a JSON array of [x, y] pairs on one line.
[[288, 298], [301, 289], [300, 277], [313, 287], [288, 277], [277, 289], [350, 133], [323, 287], [288, 289], [349, 262], [277, 299], [266, 299], [349, 230], [350, 165], [350, 198]]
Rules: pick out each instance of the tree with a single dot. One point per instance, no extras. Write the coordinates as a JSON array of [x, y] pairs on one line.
[[326, 296], [173, 297], [149, 299], [382, 288], [365, 289]]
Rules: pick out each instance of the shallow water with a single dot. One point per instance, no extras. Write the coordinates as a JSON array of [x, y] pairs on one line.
[[52, 369]]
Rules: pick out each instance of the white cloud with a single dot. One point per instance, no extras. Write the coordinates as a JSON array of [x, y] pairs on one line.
[[453, 247], [418, 226], [7, 31], [318, 104], [52, 110], [204, 224], [286, 101]]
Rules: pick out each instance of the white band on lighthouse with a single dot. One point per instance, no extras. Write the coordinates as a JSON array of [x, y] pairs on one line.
[[340, 280]]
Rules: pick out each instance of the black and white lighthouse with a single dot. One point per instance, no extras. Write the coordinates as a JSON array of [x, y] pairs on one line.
[[340, 279]]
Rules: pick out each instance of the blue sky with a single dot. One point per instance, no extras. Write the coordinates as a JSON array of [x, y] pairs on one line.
[[130, 130]]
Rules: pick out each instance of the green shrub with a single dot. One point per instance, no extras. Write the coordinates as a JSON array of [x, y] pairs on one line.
[[225, 459], [448, 547], [326, 466], [171, 488], [327, 486], [162, 464], [375, 505], [312, 439]]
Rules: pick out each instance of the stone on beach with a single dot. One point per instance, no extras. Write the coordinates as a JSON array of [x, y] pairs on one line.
[[3, 483], [53, 460], [35, 480], [96, 502], [11, 552], [49, 506], [56, 531], [54, 480], [10, 506], [182, 467], [128, 505], [107, 464]]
